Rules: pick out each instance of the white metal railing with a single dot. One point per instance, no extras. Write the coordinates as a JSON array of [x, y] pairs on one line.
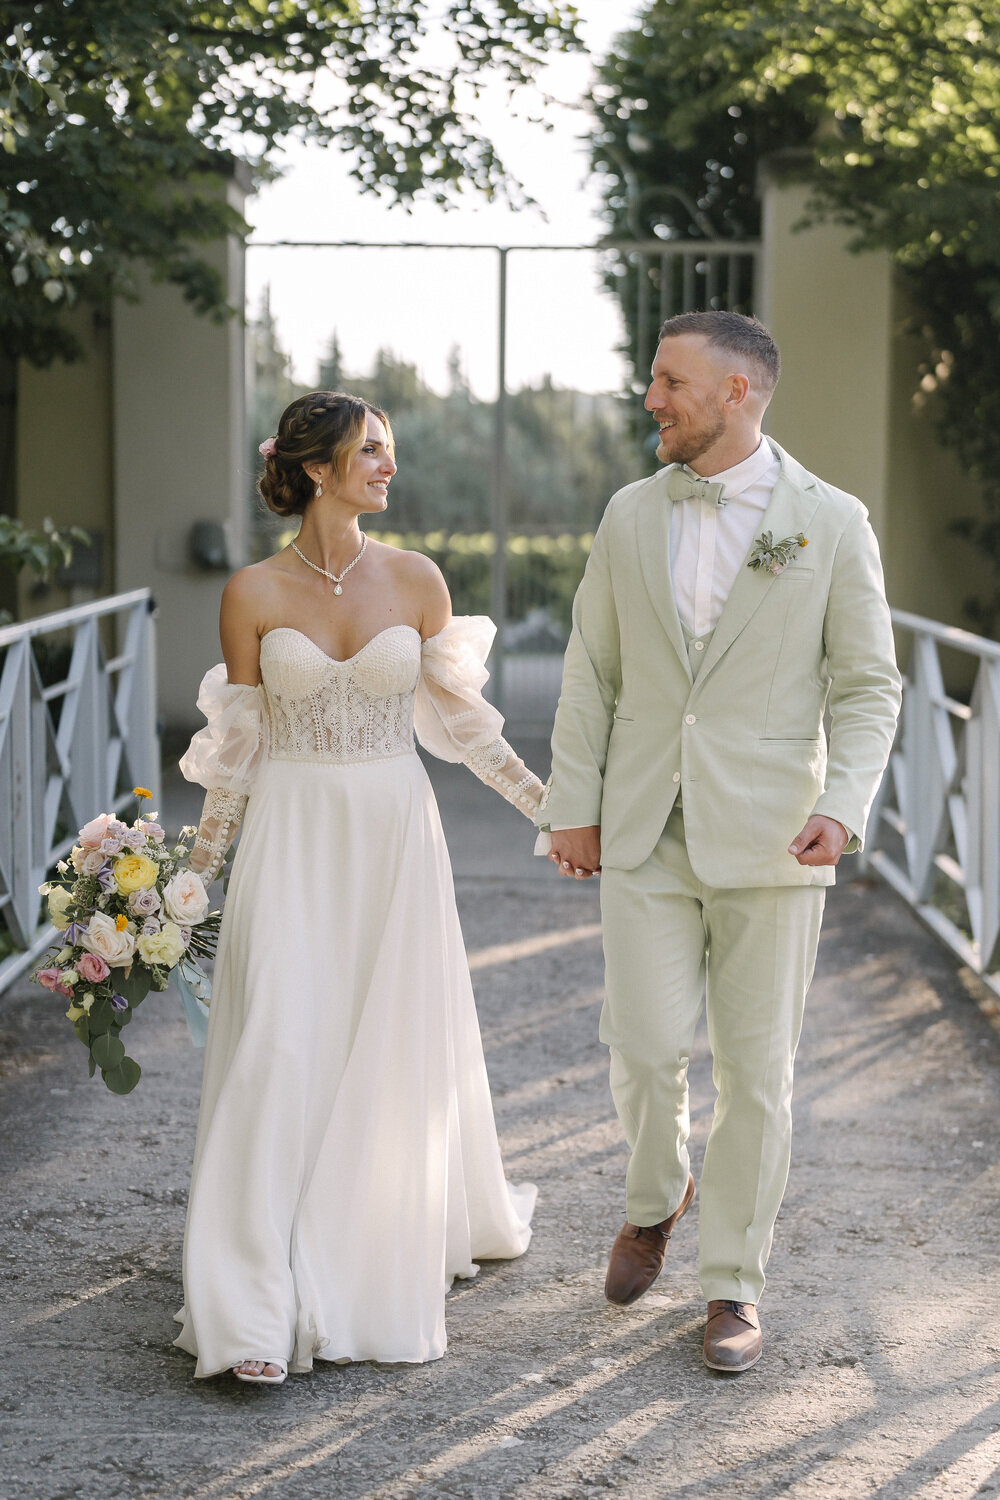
[[934, 832], [69, 749]]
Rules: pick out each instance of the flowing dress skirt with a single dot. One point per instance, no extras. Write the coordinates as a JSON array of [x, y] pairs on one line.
[[347, 1165]]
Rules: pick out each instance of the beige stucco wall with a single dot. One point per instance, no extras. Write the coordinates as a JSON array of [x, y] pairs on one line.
[[831, 313], [929, 570], [64, 437], [179, 458], [140, 439], [849, 406]]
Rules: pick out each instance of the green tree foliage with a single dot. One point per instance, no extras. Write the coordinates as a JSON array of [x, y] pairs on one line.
[[118, 120], [889, 109]]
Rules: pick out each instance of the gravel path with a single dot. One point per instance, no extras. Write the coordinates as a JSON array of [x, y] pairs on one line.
[[882, 1332]]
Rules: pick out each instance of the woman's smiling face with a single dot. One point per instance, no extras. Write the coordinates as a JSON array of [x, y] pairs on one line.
[[366, 485]]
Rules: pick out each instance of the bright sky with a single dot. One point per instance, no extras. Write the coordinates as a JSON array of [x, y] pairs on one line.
[[420, 303]]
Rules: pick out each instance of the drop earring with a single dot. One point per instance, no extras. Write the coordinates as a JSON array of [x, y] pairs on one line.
[[319, 488]]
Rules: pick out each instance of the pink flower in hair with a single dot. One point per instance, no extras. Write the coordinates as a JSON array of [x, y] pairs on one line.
[[267, 447]]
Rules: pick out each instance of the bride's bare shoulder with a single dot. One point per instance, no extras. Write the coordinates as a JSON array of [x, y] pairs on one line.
[[250, 592], [422, 584]]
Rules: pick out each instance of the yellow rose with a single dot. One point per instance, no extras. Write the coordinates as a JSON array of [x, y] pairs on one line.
[[165, 947], [134, 872], [59, 899]]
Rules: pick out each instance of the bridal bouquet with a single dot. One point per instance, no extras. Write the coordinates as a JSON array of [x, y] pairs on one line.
[[130, 912]]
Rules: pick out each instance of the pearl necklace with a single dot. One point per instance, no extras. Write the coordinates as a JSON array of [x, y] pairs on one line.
[[335, 578]]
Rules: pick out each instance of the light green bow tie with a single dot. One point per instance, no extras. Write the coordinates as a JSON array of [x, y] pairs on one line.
[[683, 485]]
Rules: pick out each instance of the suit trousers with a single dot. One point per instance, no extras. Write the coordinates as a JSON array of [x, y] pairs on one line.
[[669, 942]]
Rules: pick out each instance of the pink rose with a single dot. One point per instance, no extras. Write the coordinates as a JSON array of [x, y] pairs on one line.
[[151, 830], [92, 968], [93, 833], [51, 979]]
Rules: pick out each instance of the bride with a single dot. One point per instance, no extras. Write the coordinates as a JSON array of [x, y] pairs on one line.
[[346, 1165]]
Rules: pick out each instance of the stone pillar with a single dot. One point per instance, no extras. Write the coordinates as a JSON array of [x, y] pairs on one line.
[[831, 313], [180, 460]]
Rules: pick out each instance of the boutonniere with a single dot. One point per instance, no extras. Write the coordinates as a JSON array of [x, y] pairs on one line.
[[772, 555]]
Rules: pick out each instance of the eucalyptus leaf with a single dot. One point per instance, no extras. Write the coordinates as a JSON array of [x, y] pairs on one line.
[[107, 1050], [101, 1017], [123, 1078], [135, 987]]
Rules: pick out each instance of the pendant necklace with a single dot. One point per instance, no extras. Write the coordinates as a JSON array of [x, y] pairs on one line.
[[335, 578]]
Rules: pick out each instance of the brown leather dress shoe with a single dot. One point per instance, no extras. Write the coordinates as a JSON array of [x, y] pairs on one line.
[[733, 1340], [637, 1255]]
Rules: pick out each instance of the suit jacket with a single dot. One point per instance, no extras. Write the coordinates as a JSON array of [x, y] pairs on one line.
[[744, 743]]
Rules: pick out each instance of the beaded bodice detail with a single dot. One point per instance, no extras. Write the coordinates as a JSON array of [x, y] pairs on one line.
[[321, 709]]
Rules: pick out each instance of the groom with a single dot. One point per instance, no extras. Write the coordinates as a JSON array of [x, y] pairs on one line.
[[728, 601]]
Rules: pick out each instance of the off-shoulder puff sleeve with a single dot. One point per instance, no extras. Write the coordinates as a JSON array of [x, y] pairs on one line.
[[228, 752], [453, 720], [224, 757]]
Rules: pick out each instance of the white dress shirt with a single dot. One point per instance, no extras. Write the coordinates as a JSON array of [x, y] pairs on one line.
[[709, 543]]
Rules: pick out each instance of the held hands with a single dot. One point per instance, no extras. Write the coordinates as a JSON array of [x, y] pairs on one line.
[[577, 851], [821, 842]]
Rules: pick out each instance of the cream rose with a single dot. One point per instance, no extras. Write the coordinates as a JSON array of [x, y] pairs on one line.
[[164, 948], [185, 899], [103, 938], [59, 899], [134, 872]]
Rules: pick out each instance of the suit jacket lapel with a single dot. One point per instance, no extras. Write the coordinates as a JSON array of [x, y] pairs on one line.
[[653, 538], [791, 508]]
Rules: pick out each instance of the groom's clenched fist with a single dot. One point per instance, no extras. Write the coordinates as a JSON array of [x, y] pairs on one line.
[[577, 851], [821, 842]]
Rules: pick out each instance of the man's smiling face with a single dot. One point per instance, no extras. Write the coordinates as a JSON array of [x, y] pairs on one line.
[[687, 397]]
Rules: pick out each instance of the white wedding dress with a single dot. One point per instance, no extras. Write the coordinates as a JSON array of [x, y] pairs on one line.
[[346, 1165]]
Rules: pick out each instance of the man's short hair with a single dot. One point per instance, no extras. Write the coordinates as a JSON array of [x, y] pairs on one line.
[[737, 334]]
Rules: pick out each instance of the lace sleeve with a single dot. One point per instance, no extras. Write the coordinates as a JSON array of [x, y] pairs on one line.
[[454, 721], [499, 766], [221, 817]]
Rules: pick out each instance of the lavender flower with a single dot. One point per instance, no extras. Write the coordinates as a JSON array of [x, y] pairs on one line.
[[106, 879], [118, 1003], [150, 926], [111, 845], [133, 838]]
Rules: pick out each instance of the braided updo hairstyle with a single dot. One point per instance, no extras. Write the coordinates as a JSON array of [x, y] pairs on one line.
[[323, 427]]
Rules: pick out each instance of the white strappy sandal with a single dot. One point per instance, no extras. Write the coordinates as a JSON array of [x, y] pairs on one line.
[[262, 1379]]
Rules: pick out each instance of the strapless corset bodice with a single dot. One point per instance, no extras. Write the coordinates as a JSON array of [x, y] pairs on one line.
[[321, 709]]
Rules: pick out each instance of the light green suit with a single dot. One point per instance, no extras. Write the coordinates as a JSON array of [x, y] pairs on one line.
[[711, 898]]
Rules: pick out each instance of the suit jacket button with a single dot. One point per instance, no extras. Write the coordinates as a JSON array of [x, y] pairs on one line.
[[690, 719], [677, 775]]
